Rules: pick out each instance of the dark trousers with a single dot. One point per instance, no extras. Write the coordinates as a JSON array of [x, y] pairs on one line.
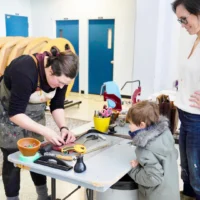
[[189, 144], [11, 175]]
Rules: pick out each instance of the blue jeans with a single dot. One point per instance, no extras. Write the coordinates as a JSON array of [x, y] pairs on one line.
[[189, 144]]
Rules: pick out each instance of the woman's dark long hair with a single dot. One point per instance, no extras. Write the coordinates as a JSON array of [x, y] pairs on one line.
[[192, 6], [66, 63]]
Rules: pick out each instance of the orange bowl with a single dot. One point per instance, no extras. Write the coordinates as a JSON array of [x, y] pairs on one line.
[[28, 146]]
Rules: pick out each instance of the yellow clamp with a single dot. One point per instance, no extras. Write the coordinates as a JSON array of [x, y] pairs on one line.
[[79, 148]]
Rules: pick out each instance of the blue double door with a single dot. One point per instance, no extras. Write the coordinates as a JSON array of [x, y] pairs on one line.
[[101, 47]]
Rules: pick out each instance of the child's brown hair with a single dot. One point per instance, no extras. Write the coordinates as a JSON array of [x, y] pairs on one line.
[[144, 111]]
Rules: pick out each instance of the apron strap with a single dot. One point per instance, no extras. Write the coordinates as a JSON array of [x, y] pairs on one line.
[[36, 62]]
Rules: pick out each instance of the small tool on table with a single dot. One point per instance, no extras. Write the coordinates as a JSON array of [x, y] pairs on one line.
[[94, 137], [59, 156], [91, 137], [45, 147], [53, 162]]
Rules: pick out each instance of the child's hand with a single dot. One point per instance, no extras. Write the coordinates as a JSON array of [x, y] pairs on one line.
[[134, 163]]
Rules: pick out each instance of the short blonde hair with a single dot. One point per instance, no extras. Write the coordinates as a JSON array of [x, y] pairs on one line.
[[144, 111]]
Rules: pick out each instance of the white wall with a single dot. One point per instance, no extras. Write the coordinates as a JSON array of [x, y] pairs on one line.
[[148, 41], [21, 7], [156, 46], [45, 12]]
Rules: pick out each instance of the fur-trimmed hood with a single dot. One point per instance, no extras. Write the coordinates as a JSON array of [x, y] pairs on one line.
[[158, 138], [157, 174]]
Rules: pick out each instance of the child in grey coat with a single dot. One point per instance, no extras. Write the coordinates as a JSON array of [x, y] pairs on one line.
[[155, 168]]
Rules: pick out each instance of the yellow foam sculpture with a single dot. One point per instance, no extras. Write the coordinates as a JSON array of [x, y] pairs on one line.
[[60, 44], [12, 47], [36, 45], [3, 40], [5, 52], [18, 49]]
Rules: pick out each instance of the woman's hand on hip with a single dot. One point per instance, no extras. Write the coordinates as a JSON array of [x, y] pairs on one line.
[[195, 99], [134, 163], [68, 136], [54, 138]]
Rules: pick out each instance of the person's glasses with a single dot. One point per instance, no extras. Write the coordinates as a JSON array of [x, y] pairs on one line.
[[183, 20]]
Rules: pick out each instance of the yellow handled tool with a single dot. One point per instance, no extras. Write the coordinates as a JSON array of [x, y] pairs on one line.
[[67, 158], [79, 148]]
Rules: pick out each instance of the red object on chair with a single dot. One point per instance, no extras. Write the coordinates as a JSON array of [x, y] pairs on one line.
[[117, 100], [135, 94]]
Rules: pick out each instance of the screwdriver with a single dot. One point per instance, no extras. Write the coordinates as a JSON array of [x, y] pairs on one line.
[[67, 158]]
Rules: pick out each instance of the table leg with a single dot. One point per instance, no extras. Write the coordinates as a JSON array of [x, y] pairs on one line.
[[90, 194], [53, 188]]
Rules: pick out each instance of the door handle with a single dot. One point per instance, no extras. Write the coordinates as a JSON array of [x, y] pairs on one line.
[[109, 38]]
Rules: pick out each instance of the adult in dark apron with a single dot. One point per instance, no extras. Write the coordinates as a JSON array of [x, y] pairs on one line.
[[13, 130]]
